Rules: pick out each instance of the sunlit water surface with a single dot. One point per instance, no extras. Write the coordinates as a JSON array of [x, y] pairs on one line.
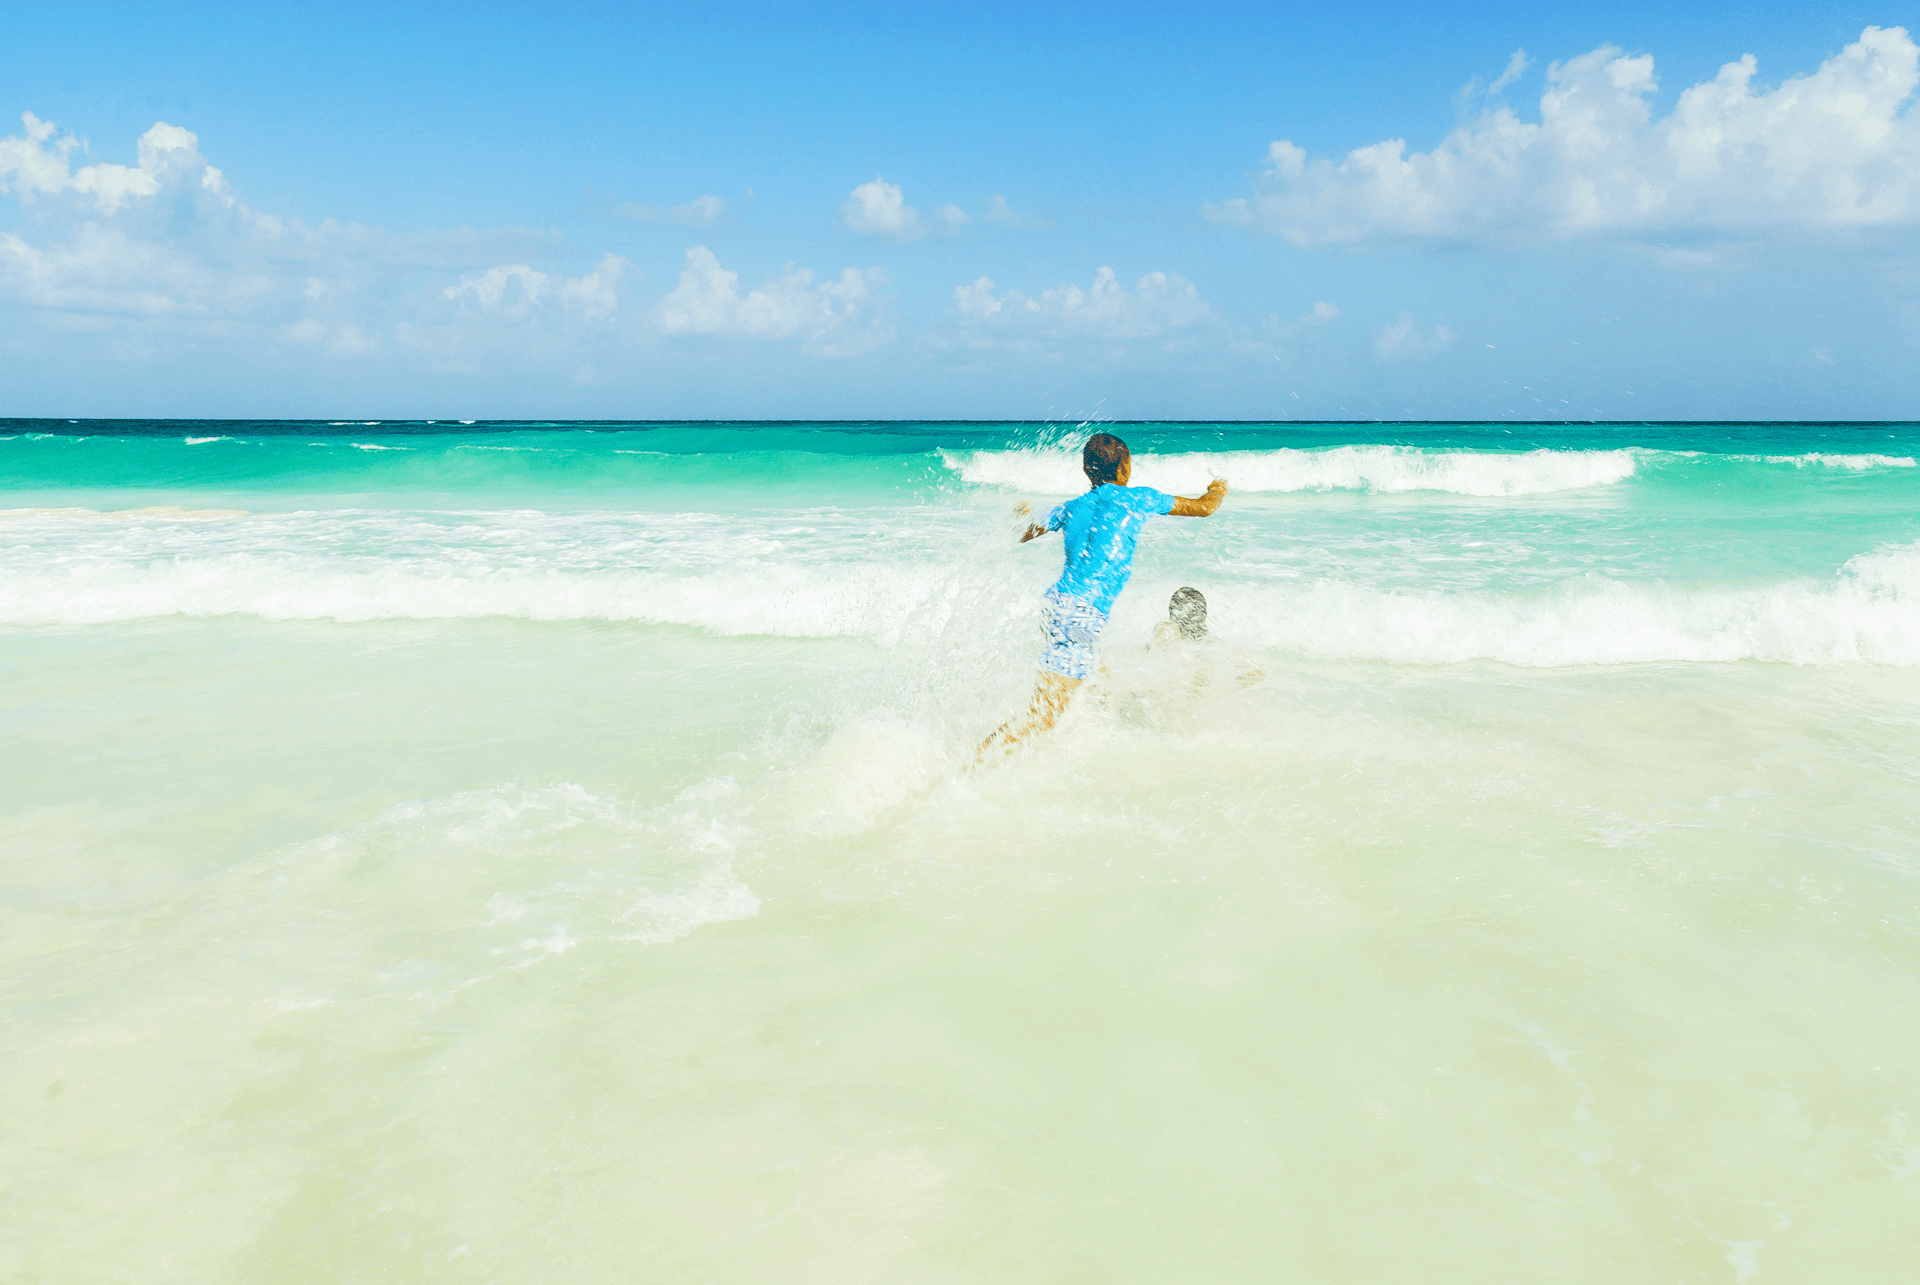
[[525, 853]]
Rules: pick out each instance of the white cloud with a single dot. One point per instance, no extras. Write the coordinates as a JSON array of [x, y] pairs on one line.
[[1515, 65], [489, 287], [1473, 94], [1833, 149], [167, 240], [520, 290], [1405, 338], [37, 164], [166, 248], [834, 315], [1322, 311], [595, 295], [339, 341], [1159, 302], [699, 212], [880, 209]]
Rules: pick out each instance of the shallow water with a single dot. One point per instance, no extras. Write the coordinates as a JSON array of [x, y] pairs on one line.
[[555, 863]]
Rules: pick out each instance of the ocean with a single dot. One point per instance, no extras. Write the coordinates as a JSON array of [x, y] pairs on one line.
[[556, 851]]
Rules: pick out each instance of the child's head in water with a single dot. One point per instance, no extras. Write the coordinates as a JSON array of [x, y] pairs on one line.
[[1188, 612]]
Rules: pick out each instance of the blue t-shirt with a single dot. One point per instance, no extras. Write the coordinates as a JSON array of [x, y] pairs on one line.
[[1101, 528]]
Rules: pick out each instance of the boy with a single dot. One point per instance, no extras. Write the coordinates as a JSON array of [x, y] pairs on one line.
[[1100, 529]]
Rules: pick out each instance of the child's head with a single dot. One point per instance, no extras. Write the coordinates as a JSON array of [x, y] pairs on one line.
[[1106, 459], [1188, 612]]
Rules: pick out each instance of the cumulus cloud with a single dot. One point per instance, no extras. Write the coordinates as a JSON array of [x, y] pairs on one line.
[[880, 209], [37, 163], [167, 241], [166, 248], [1405, 338], [1159, 302], [1838, 148], [699, 212], [163, 238], [832, 315], [519, 290]]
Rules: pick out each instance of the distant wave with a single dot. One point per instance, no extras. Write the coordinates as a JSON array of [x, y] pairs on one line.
[[160, 512], [1855, 462], [1377, 469], [1868, 613]]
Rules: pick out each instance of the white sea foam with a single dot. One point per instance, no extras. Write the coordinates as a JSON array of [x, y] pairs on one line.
[[715, 897], [1810, 459], [792, 601], [1854, 462], [471, 887], [1868, 613], [1522, 586], [861, 773], [1372, 468], [160, 512]]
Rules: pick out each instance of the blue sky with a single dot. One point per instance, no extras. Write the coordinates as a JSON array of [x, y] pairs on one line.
[[961, 211]]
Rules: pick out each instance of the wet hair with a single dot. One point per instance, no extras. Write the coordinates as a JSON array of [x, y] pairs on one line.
[[1188, 612], [1102, 458]]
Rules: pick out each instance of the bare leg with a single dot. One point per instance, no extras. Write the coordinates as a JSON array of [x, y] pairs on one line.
[[1049, 702]]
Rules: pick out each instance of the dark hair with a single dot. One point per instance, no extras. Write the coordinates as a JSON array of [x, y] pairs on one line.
[[1188, 612], [1102, 458]]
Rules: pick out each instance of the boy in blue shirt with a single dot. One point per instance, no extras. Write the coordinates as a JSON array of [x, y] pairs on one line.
[[1100, 529]]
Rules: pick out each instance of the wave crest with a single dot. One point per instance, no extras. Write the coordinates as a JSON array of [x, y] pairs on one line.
[[1869, 612], [1371, 468], [1855, 463]]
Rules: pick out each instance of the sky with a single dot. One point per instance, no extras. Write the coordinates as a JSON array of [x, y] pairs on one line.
[[945, 211]]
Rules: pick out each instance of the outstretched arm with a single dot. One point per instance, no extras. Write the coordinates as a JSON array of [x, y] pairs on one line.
[[1204, 506], [1034, 529]]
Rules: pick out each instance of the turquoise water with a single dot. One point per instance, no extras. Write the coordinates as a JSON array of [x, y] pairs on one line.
[[536, 851], [1402, 542]]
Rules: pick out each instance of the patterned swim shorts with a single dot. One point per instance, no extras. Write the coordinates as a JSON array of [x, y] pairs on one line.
[[1073, 632]]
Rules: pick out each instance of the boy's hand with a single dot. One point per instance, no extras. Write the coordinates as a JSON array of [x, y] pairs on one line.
[[1203, 506]]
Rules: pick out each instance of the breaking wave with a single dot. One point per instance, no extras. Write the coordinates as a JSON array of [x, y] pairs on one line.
[[1867, 613], [1857, 463], [1376, 469]]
